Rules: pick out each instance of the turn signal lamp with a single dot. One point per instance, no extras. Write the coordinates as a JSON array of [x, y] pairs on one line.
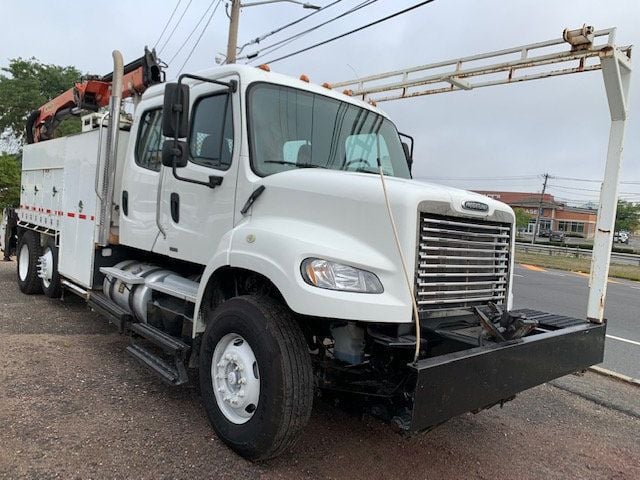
[[265, 67]]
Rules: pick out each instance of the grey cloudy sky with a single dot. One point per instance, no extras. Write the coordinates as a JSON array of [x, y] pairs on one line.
[[556, 125]]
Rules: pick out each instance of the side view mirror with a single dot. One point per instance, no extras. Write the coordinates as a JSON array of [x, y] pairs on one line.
[[175, 155], [407, 154], [408, 149], [175, 111]]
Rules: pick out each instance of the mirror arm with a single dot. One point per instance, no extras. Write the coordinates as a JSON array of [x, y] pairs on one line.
[[214, 180]]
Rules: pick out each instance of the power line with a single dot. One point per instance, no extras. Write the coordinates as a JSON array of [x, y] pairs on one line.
[[566, 187], [355, 30], [186, 40], [260, 38], [167, 24], [281, 43], [201, 34], [629, 182], [175, 27]]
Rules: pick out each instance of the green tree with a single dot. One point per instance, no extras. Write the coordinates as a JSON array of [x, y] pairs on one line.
[[522, 218], [9, 181], [26, 85], [627, 216]]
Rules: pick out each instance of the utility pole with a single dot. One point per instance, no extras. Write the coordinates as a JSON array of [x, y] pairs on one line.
[[234, 20], [232, 43], [535, 228]]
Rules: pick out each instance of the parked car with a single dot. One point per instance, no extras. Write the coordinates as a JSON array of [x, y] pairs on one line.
[[621, 237], [544, 233], [556, 236]]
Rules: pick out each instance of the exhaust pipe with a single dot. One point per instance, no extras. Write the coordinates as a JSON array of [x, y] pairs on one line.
[[109, 168]]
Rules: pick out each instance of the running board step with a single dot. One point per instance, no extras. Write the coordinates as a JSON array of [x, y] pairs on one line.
[[172, 347], [111, 310], [173, 375]]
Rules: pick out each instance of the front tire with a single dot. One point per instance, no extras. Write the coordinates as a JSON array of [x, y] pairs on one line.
[[29, 250], [255, 376]]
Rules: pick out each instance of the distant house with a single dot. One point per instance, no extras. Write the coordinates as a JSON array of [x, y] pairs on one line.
[[555, 215]]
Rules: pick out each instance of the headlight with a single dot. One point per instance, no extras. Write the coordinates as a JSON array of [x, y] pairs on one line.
[[335, 276]]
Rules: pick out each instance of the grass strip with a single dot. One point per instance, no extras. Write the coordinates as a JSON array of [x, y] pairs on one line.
[[573, 264]]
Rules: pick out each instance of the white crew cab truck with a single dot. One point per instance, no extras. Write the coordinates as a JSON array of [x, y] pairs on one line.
[[237, 226]]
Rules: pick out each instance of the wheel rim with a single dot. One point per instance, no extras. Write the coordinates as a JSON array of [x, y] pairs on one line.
[[23, 262], [45, 267], [235, 378]]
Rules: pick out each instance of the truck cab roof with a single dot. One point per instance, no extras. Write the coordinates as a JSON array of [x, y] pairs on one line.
[[249, 74]]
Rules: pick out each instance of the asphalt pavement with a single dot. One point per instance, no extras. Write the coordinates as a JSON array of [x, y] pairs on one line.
[[566, 293]]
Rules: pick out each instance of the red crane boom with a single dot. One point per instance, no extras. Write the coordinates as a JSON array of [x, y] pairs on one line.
[[92, 93]]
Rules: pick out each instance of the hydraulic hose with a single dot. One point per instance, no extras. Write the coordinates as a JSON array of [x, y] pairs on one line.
[[407, 278]]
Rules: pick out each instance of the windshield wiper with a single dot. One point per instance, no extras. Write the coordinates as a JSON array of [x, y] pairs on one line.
[[364, 170], [294, 164]]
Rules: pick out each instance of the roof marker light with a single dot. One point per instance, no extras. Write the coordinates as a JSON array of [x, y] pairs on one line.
[[304, 78]]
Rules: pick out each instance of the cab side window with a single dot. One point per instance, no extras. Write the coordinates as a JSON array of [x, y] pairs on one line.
[[149, 142], [211, 139]]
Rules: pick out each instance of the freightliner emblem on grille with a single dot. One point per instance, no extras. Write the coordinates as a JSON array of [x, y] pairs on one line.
[[477, 206]]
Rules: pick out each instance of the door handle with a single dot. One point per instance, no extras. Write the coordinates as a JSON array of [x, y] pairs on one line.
[[125, 202], [175, 207]]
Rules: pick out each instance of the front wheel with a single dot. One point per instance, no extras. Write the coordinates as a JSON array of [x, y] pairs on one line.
[[255, 376]]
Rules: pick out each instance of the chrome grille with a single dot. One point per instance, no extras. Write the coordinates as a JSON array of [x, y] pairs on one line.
[[461, 262]]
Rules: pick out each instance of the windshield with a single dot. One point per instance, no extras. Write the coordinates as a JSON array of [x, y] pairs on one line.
[[290, 128]]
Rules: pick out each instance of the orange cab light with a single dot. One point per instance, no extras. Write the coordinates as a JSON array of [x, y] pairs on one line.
[[348, 93], [373, 102], [304, 78], [327, 85], [265, 67]]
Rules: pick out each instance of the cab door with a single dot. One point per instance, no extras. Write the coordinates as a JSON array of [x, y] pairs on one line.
[[140, 180], [195, 217]]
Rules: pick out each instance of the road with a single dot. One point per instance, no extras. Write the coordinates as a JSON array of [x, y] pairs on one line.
[[74, 405], [566, 293]]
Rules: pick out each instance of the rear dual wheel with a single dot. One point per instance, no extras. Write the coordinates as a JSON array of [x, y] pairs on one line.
[[29, 251], [48, 270], [38, 266], [256, 376]]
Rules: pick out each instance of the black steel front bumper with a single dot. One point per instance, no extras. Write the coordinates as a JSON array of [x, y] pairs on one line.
[[469, 380]]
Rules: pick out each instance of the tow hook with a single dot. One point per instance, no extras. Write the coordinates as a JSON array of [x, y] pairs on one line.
[[502, 325]]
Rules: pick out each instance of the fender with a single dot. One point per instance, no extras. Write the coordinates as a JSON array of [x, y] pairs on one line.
[[275, 247]]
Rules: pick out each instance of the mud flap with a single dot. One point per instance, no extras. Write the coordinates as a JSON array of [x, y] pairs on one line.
[[470, 380]]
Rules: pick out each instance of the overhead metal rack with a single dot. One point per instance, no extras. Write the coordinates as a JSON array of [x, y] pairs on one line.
[[589, 50]]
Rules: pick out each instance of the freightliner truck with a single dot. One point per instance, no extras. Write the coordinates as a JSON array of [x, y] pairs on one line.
[[263, 236]]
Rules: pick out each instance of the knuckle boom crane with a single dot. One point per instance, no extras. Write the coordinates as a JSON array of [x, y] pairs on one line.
[[92, 93]]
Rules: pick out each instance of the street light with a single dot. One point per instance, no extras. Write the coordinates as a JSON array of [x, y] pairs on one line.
[[232, 44]]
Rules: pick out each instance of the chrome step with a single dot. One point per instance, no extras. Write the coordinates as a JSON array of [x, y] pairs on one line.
[[126, 277], [176, 286]]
